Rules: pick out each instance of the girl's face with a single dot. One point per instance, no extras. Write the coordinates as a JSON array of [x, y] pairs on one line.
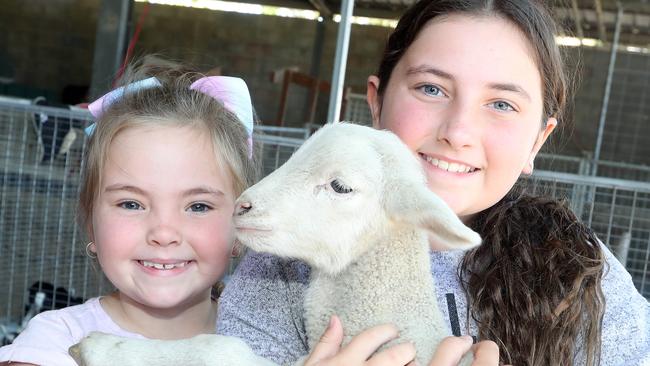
[[162, 222], [466, 97]]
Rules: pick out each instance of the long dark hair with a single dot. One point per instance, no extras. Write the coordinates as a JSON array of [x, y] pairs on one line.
[[534, 284]]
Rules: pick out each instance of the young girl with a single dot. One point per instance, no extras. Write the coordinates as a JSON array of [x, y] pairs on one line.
[[475, 88], [166, 160]]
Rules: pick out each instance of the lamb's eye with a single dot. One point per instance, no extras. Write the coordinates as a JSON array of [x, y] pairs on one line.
[[339, 187]]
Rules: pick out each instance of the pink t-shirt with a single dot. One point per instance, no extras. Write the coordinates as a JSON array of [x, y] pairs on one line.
[[48, 335]]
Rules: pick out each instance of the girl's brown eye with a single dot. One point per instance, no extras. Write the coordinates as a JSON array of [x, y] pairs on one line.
[[339, 187]]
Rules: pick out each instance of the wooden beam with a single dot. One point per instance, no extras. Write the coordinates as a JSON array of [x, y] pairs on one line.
[[322, 8], [602, 33], [577, 18]]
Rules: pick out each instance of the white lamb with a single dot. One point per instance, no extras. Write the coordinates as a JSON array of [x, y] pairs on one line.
[[353, 203]]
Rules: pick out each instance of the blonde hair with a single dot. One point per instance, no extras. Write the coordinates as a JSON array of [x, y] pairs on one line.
[[172, 103]]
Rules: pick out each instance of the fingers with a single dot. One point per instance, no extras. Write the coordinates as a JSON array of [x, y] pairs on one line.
[[451, 350], [486, 353], [401, 354], [366, 343], [329, 343], [328, 350]]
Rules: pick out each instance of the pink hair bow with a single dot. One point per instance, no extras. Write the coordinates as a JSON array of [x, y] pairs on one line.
[[234, 95], [230, 91]]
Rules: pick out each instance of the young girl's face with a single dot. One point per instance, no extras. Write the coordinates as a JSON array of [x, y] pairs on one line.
[[162, 221], [467, 98]]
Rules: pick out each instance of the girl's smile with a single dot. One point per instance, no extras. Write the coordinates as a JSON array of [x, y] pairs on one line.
[[443, 164], [161, 267]]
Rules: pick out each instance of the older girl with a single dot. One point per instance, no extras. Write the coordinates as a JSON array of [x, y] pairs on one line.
[[474, 88]]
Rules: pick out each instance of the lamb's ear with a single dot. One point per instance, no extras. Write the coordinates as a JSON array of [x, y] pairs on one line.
[[415, 204]]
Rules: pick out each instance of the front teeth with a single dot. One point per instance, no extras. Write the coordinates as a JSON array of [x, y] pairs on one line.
[[450, 167], [163, 266]]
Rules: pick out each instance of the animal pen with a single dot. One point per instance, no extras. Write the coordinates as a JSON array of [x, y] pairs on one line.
[[42, 250]]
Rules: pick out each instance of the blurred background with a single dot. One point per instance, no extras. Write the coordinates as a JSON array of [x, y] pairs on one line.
[[56, 55]]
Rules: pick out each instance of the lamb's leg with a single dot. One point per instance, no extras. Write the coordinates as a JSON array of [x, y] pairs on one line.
[[99, 349]]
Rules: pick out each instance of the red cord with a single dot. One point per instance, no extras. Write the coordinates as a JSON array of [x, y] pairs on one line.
[[132, 42]]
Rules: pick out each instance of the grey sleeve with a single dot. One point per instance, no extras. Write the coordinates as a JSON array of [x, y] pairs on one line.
[[626, 324], [263, 305]]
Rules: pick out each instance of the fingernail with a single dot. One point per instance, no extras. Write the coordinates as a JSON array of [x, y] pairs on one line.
[[331, 323], [468, 338]]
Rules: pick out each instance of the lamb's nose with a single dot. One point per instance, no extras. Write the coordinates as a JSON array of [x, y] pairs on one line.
[[243, 208]]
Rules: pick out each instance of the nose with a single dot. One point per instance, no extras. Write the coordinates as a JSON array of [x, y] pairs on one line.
[[164, 232], [243, 208], [457, 130]]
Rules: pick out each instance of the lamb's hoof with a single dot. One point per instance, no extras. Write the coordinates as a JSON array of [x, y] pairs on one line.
[[75, 353]]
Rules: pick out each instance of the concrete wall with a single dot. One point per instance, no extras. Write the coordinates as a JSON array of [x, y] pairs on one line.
[[47, 43], [50, 43]]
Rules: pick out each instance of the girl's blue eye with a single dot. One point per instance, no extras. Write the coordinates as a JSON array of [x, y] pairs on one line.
[[502, 106], [130, 205], [200, 207], [431, 90]]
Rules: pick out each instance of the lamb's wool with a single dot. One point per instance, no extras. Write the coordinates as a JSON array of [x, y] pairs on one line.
[[100, 349]]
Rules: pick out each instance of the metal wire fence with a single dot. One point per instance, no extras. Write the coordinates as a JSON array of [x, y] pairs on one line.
[[43, 250]]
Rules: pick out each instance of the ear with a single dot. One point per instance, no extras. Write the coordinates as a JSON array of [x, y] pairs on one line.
[[551, 123], [373, 99], [414, 204]]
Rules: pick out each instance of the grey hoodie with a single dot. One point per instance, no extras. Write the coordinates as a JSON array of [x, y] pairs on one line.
[[262, 304]]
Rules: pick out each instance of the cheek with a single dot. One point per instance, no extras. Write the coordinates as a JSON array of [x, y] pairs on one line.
[[408, 122], [215, 239], [113, 235], [507, 153], [514, 143]]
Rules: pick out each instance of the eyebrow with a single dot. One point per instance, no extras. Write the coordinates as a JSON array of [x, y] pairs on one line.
[[427, 69], [203, 190], [124, 187], [187, 193], [511, 88]]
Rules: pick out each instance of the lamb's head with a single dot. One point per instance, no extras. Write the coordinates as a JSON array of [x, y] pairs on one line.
[[342, 190]]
